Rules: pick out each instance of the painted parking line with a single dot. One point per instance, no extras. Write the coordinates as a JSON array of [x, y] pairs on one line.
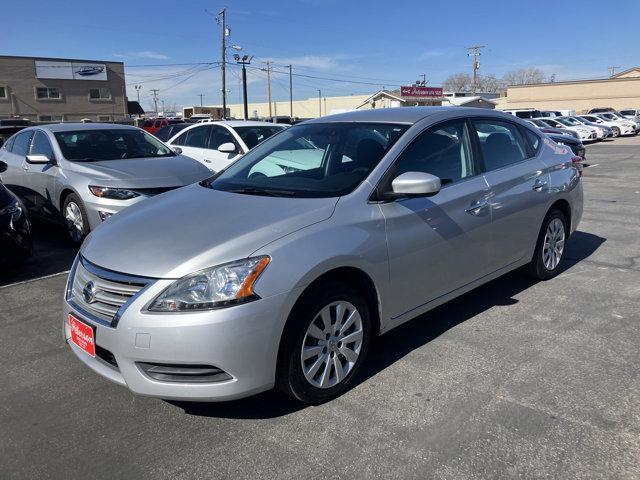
[[34, 279]]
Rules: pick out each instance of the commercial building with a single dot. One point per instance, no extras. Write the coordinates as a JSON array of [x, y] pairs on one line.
[[57, 89], [619, 91]]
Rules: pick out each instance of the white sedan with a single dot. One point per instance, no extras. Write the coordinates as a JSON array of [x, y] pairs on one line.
[[217, 144], [619, 127], [586, 133]]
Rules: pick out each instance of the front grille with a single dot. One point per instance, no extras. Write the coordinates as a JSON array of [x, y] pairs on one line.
[[101, 293]]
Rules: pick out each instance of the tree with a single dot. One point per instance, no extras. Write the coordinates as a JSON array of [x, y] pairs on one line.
[[490, 84], [524, 76], [458, 82]]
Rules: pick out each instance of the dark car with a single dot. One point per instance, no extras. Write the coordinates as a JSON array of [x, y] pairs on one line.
[[574, 144], [165, 133], [601, 110], [16, 241]]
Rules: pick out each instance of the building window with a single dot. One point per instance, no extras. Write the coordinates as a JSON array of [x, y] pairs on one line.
[[99, 94], [104, 118], [3, 91], [50, 118], [44, 93]]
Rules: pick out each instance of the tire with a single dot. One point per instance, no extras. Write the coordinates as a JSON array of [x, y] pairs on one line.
[[316, 378], [75, 218], [616, 132], [546, 262]]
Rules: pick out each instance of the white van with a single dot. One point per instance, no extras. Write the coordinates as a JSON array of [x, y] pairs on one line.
[[524, 112]]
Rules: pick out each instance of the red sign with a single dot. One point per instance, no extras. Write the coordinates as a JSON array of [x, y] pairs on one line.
[[82, 335], [414, 91]]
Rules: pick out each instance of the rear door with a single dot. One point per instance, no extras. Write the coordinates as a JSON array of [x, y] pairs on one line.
[[15, 157], [194, 142], [218, 160], [519, 187], [440, 243]]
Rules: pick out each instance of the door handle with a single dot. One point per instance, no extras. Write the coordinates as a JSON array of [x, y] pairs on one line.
[[476, 206], [539, 185]]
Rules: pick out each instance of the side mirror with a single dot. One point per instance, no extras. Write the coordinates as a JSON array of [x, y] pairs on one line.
[[3, 166], [177, 150], [38, 159], [415, 184], [228, 147]]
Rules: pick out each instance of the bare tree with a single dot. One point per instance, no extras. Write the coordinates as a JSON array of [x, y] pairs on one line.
[[524, 76], [490, 84], [458, 82]]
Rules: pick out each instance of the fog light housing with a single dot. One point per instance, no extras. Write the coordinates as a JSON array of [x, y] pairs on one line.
[[104, 215]]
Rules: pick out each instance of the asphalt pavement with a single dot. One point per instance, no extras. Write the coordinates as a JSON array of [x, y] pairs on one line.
[[516, 379]]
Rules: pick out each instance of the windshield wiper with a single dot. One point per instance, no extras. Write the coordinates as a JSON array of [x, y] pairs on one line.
[[262, 191]]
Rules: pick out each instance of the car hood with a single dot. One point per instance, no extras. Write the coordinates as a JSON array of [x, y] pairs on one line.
[[143, 172], [195, 227]]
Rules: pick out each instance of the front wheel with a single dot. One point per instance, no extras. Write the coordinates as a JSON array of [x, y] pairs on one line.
[[616, 131], [75, 218], [324, 344], [550, 248]]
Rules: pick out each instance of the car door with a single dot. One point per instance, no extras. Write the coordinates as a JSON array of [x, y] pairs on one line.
[[440, 243], [218, 160], [194, 142], [519, 187], [41, 178], [15, 156]]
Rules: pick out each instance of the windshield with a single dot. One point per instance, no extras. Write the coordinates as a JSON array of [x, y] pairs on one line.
[[252, 136], [552, 123], [313, 161], [608, 116], [564, 121], [110, 144]]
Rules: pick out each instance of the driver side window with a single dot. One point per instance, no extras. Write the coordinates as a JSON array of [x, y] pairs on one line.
[[219, 135], [443, 151]]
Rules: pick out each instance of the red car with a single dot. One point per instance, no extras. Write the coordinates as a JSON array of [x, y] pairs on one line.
[[152, 125]]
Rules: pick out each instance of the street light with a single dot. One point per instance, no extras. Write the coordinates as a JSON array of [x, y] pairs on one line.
[[244, 61], [138, 88]]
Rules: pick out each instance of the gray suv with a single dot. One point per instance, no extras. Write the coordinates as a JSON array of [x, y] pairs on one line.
[[81, 174], [282, 268]]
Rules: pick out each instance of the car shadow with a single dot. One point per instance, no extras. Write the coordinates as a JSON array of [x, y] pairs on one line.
[[52, 253], [391, 347]]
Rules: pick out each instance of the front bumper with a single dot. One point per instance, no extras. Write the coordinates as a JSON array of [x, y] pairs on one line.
[[94, 206], [242, 341]]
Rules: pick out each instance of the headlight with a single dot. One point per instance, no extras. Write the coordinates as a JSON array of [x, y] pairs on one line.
[[13, 210], [113, 193], [215, 287]]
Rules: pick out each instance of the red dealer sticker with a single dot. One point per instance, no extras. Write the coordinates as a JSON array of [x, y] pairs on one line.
[[82, 335]]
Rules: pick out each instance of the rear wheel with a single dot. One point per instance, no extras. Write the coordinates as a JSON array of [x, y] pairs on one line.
[[324, 344], [75, 218], [550, 248]]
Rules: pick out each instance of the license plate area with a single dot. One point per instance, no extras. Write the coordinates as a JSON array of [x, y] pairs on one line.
[[83, 335]]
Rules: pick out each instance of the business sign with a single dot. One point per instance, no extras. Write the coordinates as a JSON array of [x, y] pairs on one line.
[[70, 70], [414, 91]]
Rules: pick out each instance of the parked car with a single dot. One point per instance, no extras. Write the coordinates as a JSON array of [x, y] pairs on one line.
[[617, 127], [152, 125], [524, 112], [238, 284], [81, 174], [546, 128], [16, 241], [573, 123], [168, 131], [217, 144], [600, 110], [550, 113], [606, 132], [584, 133], [631, 113], [621, 118], [576, 146]]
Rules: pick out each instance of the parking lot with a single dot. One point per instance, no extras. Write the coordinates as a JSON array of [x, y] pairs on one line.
[[515, 379]]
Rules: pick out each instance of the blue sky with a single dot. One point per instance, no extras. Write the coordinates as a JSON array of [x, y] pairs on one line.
[[378, 43]]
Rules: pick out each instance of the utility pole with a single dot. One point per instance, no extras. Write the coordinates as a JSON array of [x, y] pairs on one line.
[[222, 19], [244, 61], [422, 82], [319, 102], [154, 94], [163, 109], [138, 88], [201, 95], [268, 70], [290, 93], [613, 70], [476, 64]]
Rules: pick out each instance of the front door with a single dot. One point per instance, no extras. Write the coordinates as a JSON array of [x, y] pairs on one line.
[[40, 178], [194, 142], [216, 159], [15, 155], [440, 243]]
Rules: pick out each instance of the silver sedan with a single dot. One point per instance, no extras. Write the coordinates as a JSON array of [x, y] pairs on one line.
[[82, 174], [357, 223]]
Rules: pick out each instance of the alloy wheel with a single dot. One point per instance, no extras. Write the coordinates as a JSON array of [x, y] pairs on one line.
[[553, 247], [75, 223], [332, 344]]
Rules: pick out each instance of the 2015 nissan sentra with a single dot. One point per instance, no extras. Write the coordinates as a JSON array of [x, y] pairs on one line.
[[355, 224]]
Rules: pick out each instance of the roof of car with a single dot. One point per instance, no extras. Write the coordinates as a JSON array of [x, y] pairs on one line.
[[68, 126], [397, 115], [248, 123]]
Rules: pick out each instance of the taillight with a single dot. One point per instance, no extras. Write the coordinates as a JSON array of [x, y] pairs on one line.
[[577, 162]]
